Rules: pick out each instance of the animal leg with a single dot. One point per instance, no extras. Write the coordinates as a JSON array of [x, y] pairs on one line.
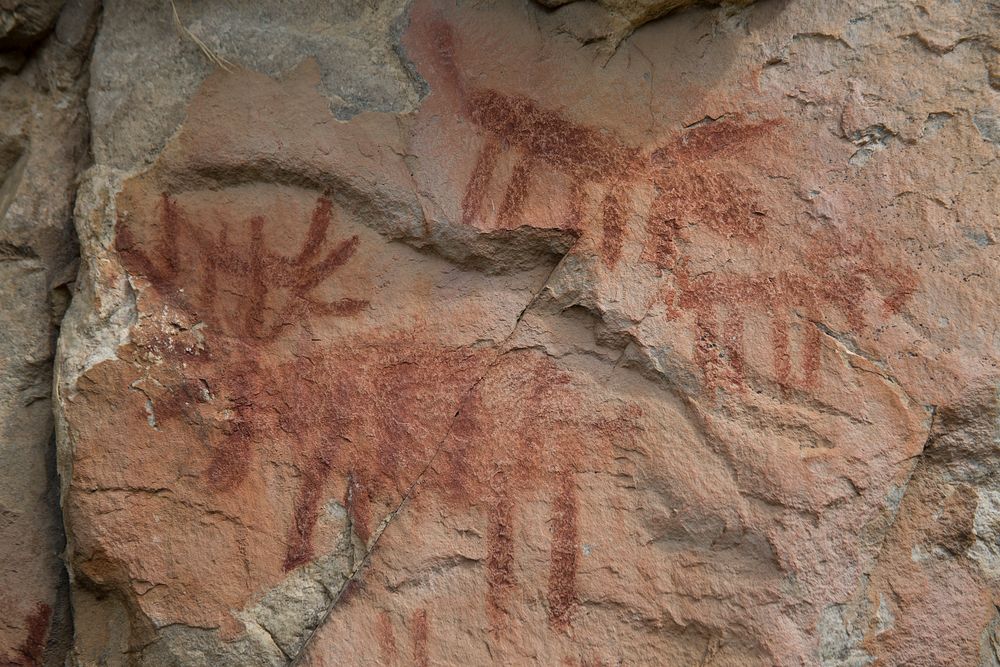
[[613, 215], [307, 502], [499, 551], [563, 557], [517, 192], [733, 342], [781, 361], [475, 191], [811, 349]]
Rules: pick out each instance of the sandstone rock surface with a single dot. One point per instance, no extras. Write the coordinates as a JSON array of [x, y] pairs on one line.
[[440, 334], [621, 17], [43, 145]]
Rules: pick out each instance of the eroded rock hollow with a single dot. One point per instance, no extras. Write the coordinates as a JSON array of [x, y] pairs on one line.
[[436, 333]]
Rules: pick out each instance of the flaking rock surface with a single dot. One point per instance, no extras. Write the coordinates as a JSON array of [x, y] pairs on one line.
[[522, 350]]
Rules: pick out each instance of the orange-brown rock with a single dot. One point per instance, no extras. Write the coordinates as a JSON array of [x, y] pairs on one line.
[[683, 354]]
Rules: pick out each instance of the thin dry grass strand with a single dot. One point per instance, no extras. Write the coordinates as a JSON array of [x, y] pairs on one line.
[[214, 57]]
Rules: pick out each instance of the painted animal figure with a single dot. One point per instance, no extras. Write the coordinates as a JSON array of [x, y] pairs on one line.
[[688, 191], [520, 434], [363, 416], [545, 138], [540, 138], [837, 268], [192, 269]]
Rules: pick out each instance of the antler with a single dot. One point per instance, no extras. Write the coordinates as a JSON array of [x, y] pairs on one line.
[[302, 274], [258, 269], [160, 274]]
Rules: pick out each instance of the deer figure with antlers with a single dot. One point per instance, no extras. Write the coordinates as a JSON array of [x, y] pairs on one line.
[[190, 267]]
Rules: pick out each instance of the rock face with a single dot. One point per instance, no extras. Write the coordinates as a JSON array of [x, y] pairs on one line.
[[623, 16], [434, 333], [43, 145]]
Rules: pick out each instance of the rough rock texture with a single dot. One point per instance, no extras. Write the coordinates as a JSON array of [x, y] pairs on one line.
[[439, 334], [43, 142], [23, 23], [622, 17]]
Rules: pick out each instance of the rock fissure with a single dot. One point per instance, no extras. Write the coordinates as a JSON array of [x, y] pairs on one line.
[[388, 519], [412, 267]]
